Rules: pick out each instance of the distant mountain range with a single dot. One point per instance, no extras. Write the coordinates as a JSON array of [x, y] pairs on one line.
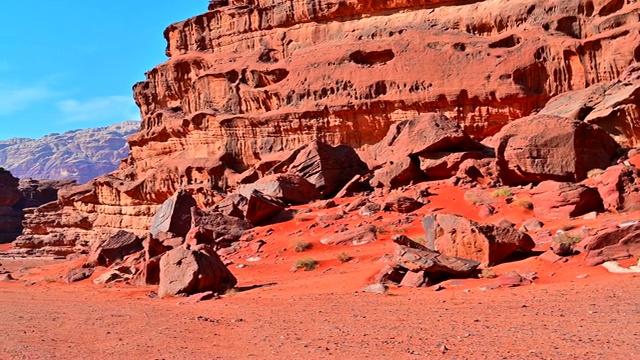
[[75, 155]]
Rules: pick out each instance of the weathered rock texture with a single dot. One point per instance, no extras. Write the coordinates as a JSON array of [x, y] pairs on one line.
[[79, 155], [17, 196], [248, 80]]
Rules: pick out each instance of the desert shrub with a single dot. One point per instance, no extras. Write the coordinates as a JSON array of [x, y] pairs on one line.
[[300, 245], [307, 264], [565, 238], [488, 274], [502, 192], [524, 203], [343, 257], [299, 216], [420, 240], [477, 197]]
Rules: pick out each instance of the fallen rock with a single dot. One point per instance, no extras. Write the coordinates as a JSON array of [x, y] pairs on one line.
[[489, 244], [443, 165], [369, 209], [415, 279], [188, 272], [553, 199], [117, 247], [612, 243], [486, 211], [417, 260], [356, 204], [75, 275], [426, 133], [350, 188], [6, 277], [358, 236], [562, 249], [214, 228], [288, 188], [174, 215], [389, 274], [328, 168], [261, 208], [375, 288], [619, 187], [234, 205], [394, 174], [149, 272], [545, 147], [402, 204], [531, 225], [119, 274]]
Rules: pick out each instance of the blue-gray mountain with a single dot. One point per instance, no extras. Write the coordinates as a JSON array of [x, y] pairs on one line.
[[75, 155]]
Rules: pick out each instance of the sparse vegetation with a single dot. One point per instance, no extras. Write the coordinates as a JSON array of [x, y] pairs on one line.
[[594, 172], [300, 245], [488, 274], [524, 203], [502, 192], [343, 257], [565, 238], [420, 240], [567, 227], [398, 230], [49, 279], [307, 264]]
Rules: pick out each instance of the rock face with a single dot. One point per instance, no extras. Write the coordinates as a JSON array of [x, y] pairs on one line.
[[10, 218], [545, 147], [488, 244], [247, 83], [18, 195], [614, 106], [79, 155]]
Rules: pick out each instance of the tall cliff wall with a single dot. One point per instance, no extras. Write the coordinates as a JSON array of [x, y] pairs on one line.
[[248, 79]]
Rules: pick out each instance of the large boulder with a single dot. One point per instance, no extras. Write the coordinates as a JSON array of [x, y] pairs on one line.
[[115, 248], [613, 105], [174, 215], [262, 208], [190, 271], [328, 168], [213, 228], [418, 260], [552, 199], [545, 147], [612, 243], [619, 187], [430, 146], [489, 244], [288, 188]]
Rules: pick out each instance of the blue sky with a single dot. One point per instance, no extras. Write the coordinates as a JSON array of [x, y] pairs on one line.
[[70, 64]]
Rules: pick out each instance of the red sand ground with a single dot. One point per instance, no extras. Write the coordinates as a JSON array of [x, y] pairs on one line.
[[277, 314]]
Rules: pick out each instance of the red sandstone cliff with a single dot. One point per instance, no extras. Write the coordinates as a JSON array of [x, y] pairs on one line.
[[251, 79]]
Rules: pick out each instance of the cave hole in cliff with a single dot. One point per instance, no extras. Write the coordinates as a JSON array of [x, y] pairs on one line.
[[369, 58], [532, 78], [611, 7], [508, 42], [459, 46], [636, 54], [586, 9], [570, 26]]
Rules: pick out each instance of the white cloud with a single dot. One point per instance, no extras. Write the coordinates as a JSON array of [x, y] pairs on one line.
[[117, 108], [16, 98]]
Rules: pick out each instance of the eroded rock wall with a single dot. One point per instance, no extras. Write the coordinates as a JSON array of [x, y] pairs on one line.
[[248, 79]]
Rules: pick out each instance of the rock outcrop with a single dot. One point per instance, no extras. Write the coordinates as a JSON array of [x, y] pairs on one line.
[[79, 155], [552, 199], [489, 244], [545, 147], [614, 106], [247, 83]]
